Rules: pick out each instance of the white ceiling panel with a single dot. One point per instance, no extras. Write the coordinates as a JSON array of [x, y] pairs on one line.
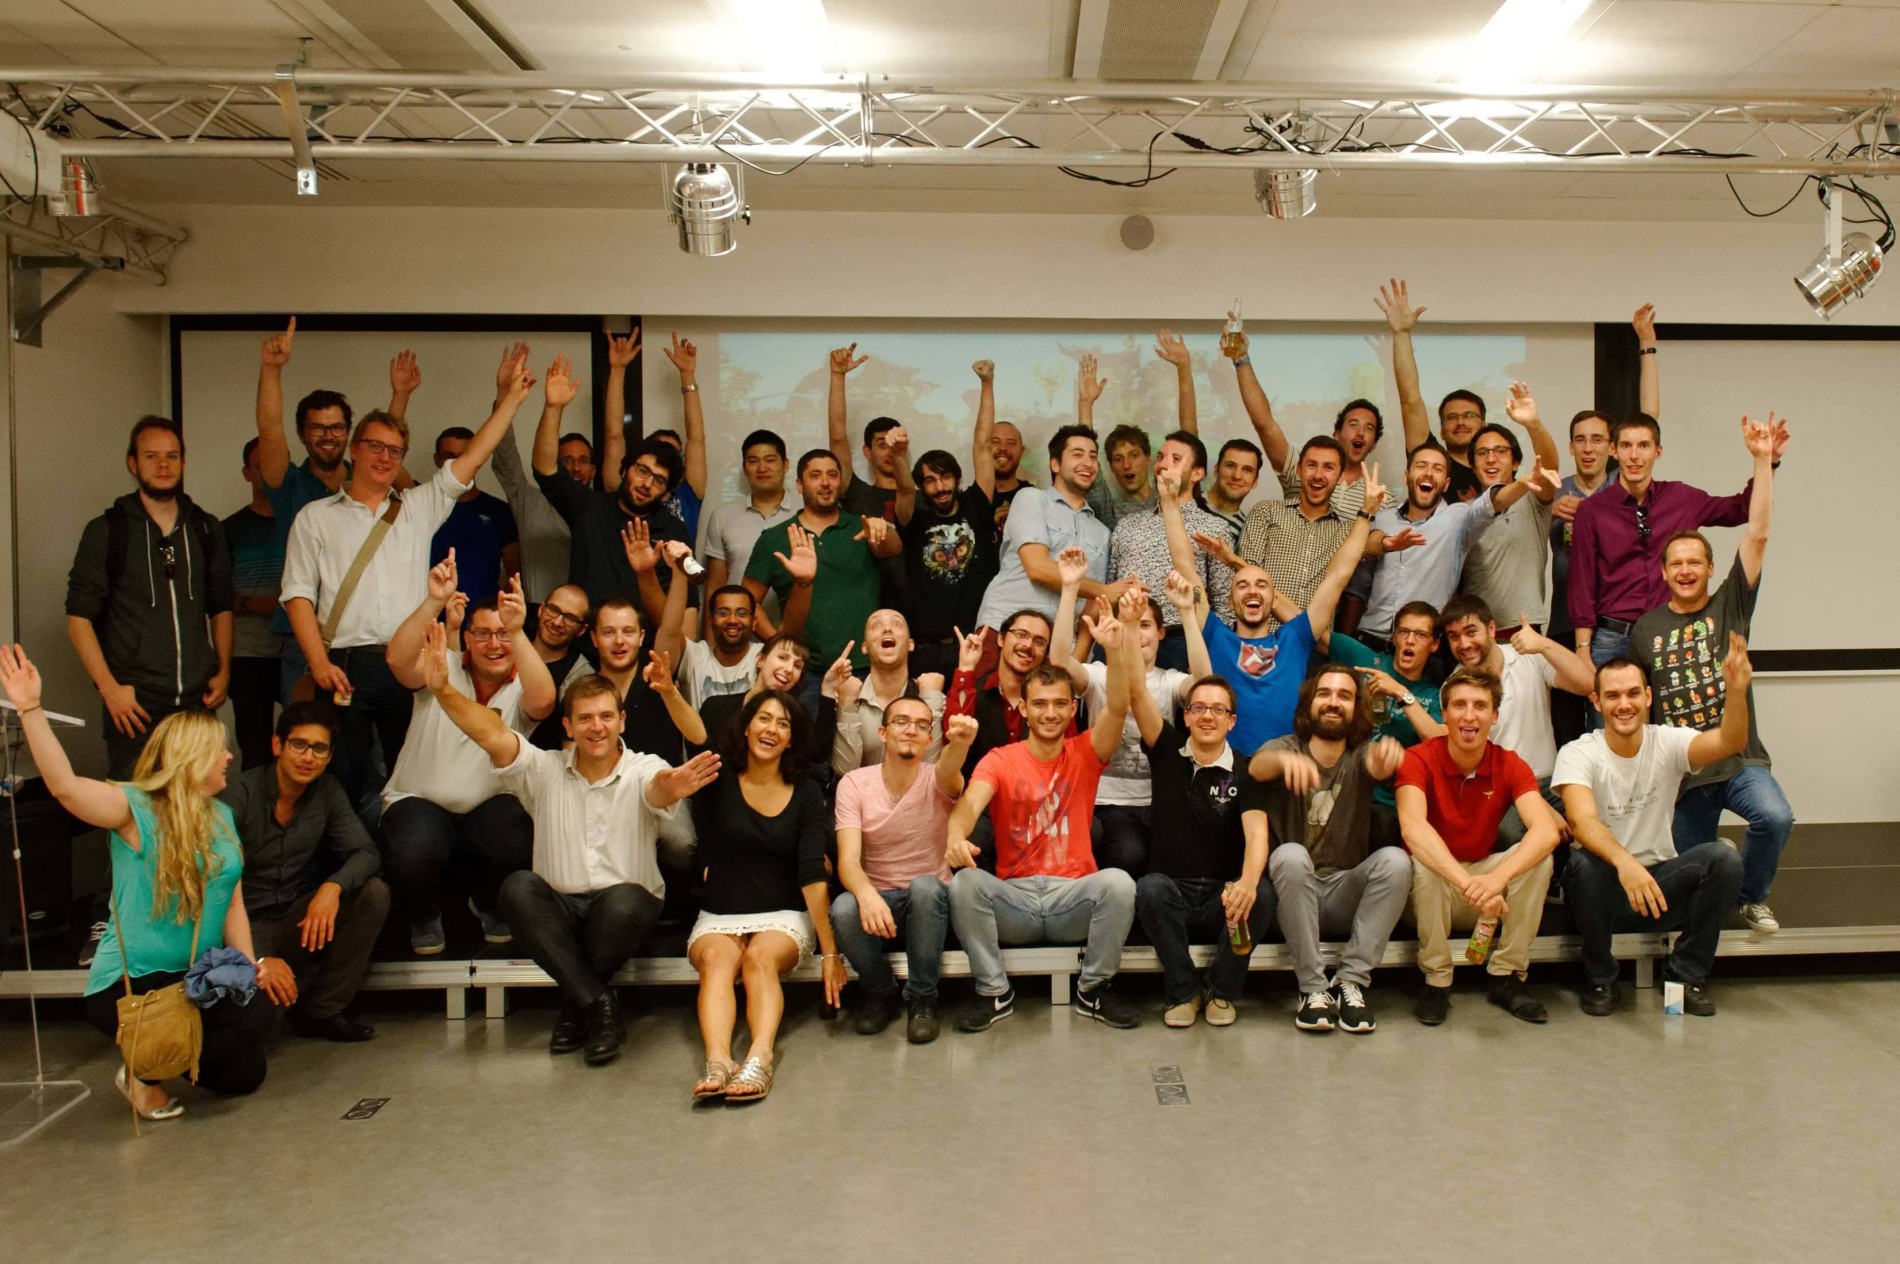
[[1689, 42], [197, 33], [1858, 45], [1369, 41]]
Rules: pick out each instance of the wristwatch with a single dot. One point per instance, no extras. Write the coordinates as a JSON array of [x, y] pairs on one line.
[[688, 390], [1408, 699]]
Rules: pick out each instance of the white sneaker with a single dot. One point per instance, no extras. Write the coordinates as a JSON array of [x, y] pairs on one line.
[[1760, 919]]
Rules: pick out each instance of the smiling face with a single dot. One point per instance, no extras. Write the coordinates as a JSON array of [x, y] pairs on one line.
[[1688, 568], [906, 730], [781, 667], [769, 733], [764, 469], [1636, 453], [1025, 646], [1425, 478], [1177, 458], [485, 643], [1469, 715], [887, 640], [303, 756], [1492, 460], [594, 723], [1412, 644], [577, 460], [561, 617], [940, 491], [1622, 696], [1077, 467], [646, 481], [1458, 420], [617, 635], [821, 483], [1471, 641], [730, 622], [325, 433], [1252, 596], [1210, 715], [1237, 474], [1319, 475], [378, 452], [1335, 695], [1590, 447], [1130, 466], [1050, 709], [1357, 432], [1006, 450]]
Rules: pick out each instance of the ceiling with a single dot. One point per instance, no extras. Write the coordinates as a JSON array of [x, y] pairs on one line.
[[1684, 44]]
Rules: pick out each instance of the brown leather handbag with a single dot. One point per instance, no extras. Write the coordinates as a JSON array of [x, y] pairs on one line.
[[161, 1033]]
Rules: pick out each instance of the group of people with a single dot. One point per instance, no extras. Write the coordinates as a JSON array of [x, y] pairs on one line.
[[911, 704]]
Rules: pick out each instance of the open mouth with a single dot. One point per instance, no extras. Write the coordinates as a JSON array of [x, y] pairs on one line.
[[1468, 732], [1426, 486]]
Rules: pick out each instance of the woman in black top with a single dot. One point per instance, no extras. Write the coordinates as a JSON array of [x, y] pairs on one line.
[[763, 829]]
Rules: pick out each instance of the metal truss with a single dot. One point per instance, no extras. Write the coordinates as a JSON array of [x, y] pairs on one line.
[[114, 240], [311, 117]]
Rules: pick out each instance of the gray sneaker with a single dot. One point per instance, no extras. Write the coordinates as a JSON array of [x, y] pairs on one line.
[[426, 938], [1760, 919], [494, 930]]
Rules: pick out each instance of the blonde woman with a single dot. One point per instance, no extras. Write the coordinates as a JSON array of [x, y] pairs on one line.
[[175, 862]]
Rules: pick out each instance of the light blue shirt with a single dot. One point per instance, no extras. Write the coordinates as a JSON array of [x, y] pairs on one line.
[[1041, 516], [1428, 571]]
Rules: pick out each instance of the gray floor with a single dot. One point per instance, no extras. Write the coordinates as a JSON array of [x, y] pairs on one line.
[[1769, 1133]]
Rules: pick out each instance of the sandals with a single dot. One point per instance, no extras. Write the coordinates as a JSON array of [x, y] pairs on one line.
[[172, 1108], [756, 1075], [712, 1083]]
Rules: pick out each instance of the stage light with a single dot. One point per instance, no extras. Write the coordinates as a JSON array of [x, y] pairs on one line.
[[1847, 266], [705, 201], [1286, 193], [77, 189]]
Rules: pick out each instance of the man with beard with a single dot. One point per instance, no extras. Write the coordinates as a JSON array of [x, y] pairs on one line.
[[559, 624], [443, 795], [821, 562], [1324, 877], [1130, 487], [1236, 472], [1263, 663], [1357, 429], [1295, 539], [344, 614], [1044, 523], [949, 537], [597, 518], [1006, 458], [734, 527], [1139, 544], [724, 657], [1422, 544], [1039, 795], [148, 599], [1618, 785], [1509, 565], [323, 426], [1676, 644], [1460, 413], [1453, 792], [688, 496], [862, 703]]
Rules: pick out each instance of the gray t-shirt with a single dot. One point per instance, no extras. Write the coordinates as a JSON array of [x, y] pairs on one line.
[[1334, 821], [1509, 565], [1684, 653]]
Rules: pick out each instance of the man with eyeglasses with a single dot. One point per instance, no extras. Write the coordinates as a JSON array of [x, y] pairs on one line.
[[1508, 567], [311, 887], [346, 642], [1616, 551], [1403, 700], [1460, 414], [559, 624]]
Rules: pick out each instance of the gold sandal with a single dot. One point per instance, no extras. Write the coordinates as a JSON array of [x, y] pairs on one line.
[[755, 1074], [712, 1083]]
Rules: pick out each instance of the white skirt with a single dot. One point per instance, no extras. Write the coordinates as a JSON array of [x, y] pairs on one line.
[[792, 922]]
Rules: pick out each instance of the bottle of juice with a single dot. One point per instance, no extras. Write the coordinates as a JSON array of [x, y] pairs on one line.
[[1482, 936], [1230, 332], [1240, 937]]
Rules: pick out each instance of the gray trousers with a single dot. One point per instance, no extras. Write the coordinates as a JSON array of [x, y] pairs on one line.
[[989, 912], [1364, 901]]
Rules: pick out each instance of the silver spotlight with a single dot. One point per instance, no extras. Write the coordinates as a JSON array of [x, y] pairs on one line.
[[706, 200], [1846, 268], [1286, 193]]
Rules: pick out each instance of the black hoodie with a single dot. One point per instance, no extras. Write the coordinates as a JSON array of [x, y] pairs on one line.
[[155, 629]]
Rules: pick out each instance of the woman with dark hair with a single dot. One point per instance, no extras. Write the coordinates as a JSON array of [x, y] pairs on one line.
[[763, 828]]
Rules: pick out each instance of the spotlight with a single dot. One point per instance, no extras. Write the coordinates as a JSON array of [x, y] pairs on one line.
[[1834, 280], [705, 200], [1286, 193], [77, 188]]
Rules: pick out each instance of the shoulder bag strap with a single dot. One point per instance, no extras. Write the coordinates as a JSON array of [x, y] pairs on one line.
[[354, 575]]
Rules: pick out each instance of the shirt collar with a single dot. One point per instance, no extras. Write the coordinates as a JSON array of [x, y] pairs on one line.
[[1486, 761], [1223, 761], [570, 754]]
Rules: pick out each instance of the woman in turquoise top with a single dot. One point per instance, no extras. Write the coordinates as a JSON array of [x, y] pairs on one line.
[[175, 864]]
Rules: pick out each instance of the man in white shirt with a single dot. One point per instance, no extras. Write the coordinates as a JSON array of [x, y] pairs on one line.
[[724, 657], [595, 889], [442, 795], [1619, 786], [346, 648]]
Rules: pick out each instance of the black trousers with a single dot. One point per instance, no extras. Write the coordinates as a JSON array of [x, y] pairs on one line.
[[378, 713], [232, 1060], [254, 707], [420, 838], [580, 940], [327, 979]]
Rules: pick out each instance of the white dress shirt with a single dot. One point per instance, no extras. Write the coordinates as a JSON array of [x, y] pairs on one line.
[[441, 763], [590, 836], [329, 533]]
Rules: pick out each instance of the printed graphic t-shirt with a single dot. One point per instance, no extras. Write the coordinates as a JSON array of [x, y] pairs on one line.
[[1041, 811]]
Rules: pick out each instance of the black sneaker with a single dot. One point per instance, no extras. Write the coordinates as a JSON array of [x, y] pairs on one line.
[[1317, 1012], [1434, 1005], [1508, 994], [1698, 1000], [1104, 1005], [91, 949], [1355, 1016], [921, 1028], [987, 1011], [877, 1011], [1598, 1001], [570, 1029]]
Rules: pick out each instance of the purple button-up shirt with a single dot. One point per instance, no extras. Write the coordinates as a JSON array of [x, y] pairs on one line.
[[1615, 570]]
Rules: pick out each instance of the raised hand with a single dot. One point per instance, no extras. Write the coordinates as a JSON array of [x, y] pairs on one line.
[[874, 529], [520, 382], [1105, 631], [1401, 540], [896, 441], [1519, 406], [969, 649], [838, 673], [1129, 606], [684, 355], [1737, 671], [985, 370], [560, 388], [1179, 592], [1218, 548], [1395, 300], [622, 352], [1172, 349], [689, 778], [433, 661], [674, 553], [405, 374], [276, 350], [1644, 322], [1781, 437], [842, 361], [959, 731], [1072, 566], [1540, 476], [1088, 385], [1759, 436], [1381, 685], [19, 678], [636, 537], [511, 357], [930, 682], [1527, 639], [512, 606], [802, 565], [442, 579], [1234, 345], [454, 612], [658, 673]]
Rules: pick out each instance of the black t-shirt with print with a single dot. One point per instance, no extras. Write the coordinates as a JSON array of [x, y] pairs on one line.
[[949, 561], [1684, 653]]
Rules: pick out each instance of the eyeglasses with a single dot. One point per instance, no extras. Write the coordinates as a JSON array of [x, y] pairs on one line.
[[561, 618], [1214, 709], [910, 724], [376, 447], [1642, 523], [169, 555], [1023, 634], [335, 429], [300, 747], [486, 634], [1499, 450], [1465, 416], [1411, 634]]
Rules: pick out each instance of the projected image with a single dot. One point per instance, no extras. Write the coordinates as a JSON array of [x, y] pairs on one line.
[[778, 381]]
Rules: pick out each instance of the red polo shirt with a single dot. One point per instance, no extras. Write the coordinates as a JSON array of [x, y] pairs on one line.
[[1465, 808]]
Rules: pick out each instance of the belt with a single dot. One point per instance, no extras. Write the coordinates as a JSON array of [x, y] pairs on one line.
[[1374, 642], [1614, 625]]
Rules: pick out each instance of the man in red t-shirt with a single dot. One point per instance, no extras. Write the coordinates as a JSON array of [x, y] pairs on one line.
[[1040, 795], [1452, 792]]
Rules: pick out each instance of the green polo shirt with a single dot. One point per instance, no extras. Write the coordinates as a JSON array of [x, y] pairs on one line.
[[843, 595]]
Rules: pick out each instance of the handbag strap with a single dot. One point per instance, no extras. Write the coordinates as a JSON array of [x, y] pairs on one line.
[[358, 565], [118, 928]]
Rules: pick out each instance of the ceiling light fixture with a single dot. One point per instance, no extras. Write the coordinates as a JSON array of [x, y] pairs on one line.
[[1513, 44], [1286, 192], [783, 38], [706, 199], [1847, 266]]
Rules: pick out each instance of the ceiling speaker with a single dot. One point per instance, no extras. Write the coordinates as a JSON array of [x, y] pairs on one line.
[[1138, 232]]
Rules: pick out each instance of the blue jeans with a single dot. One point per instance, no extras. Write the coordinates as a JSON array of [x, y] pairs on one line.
[[989, 911], [1179, 911], [922, 914], [1699, 887], [1754, 795]]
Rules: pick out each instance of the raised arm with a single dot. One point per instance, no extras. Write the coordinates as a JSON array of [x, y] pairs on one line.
[[982, 464], [802, 566], [959, 734], [99, 803], [537, 683], [1319, 611], [1072, 565], [1180, 595], [483, 727], [1522, 409], [1541, 482], [466, 466], [273, 446], [1760, 438], [1401, 317], [837, 421], [405, 651], [1116, 635], [658, 673], [1253, 397], [643, 558], [1088, 388], [1731, 738], [670, 634], [685, 358], [558, 392], [1649, 376], [405, 379], [1174, 351], [621, 352], [1574, 673], [904, 504]]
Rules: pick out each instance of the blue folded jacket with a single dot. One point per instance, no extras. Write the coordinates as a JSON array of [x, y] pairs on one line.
[[221, 974]]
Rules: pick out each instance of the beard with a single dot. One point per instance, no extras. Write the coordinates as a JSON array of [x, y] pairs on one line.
[[1332, 725], [161, 493]]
